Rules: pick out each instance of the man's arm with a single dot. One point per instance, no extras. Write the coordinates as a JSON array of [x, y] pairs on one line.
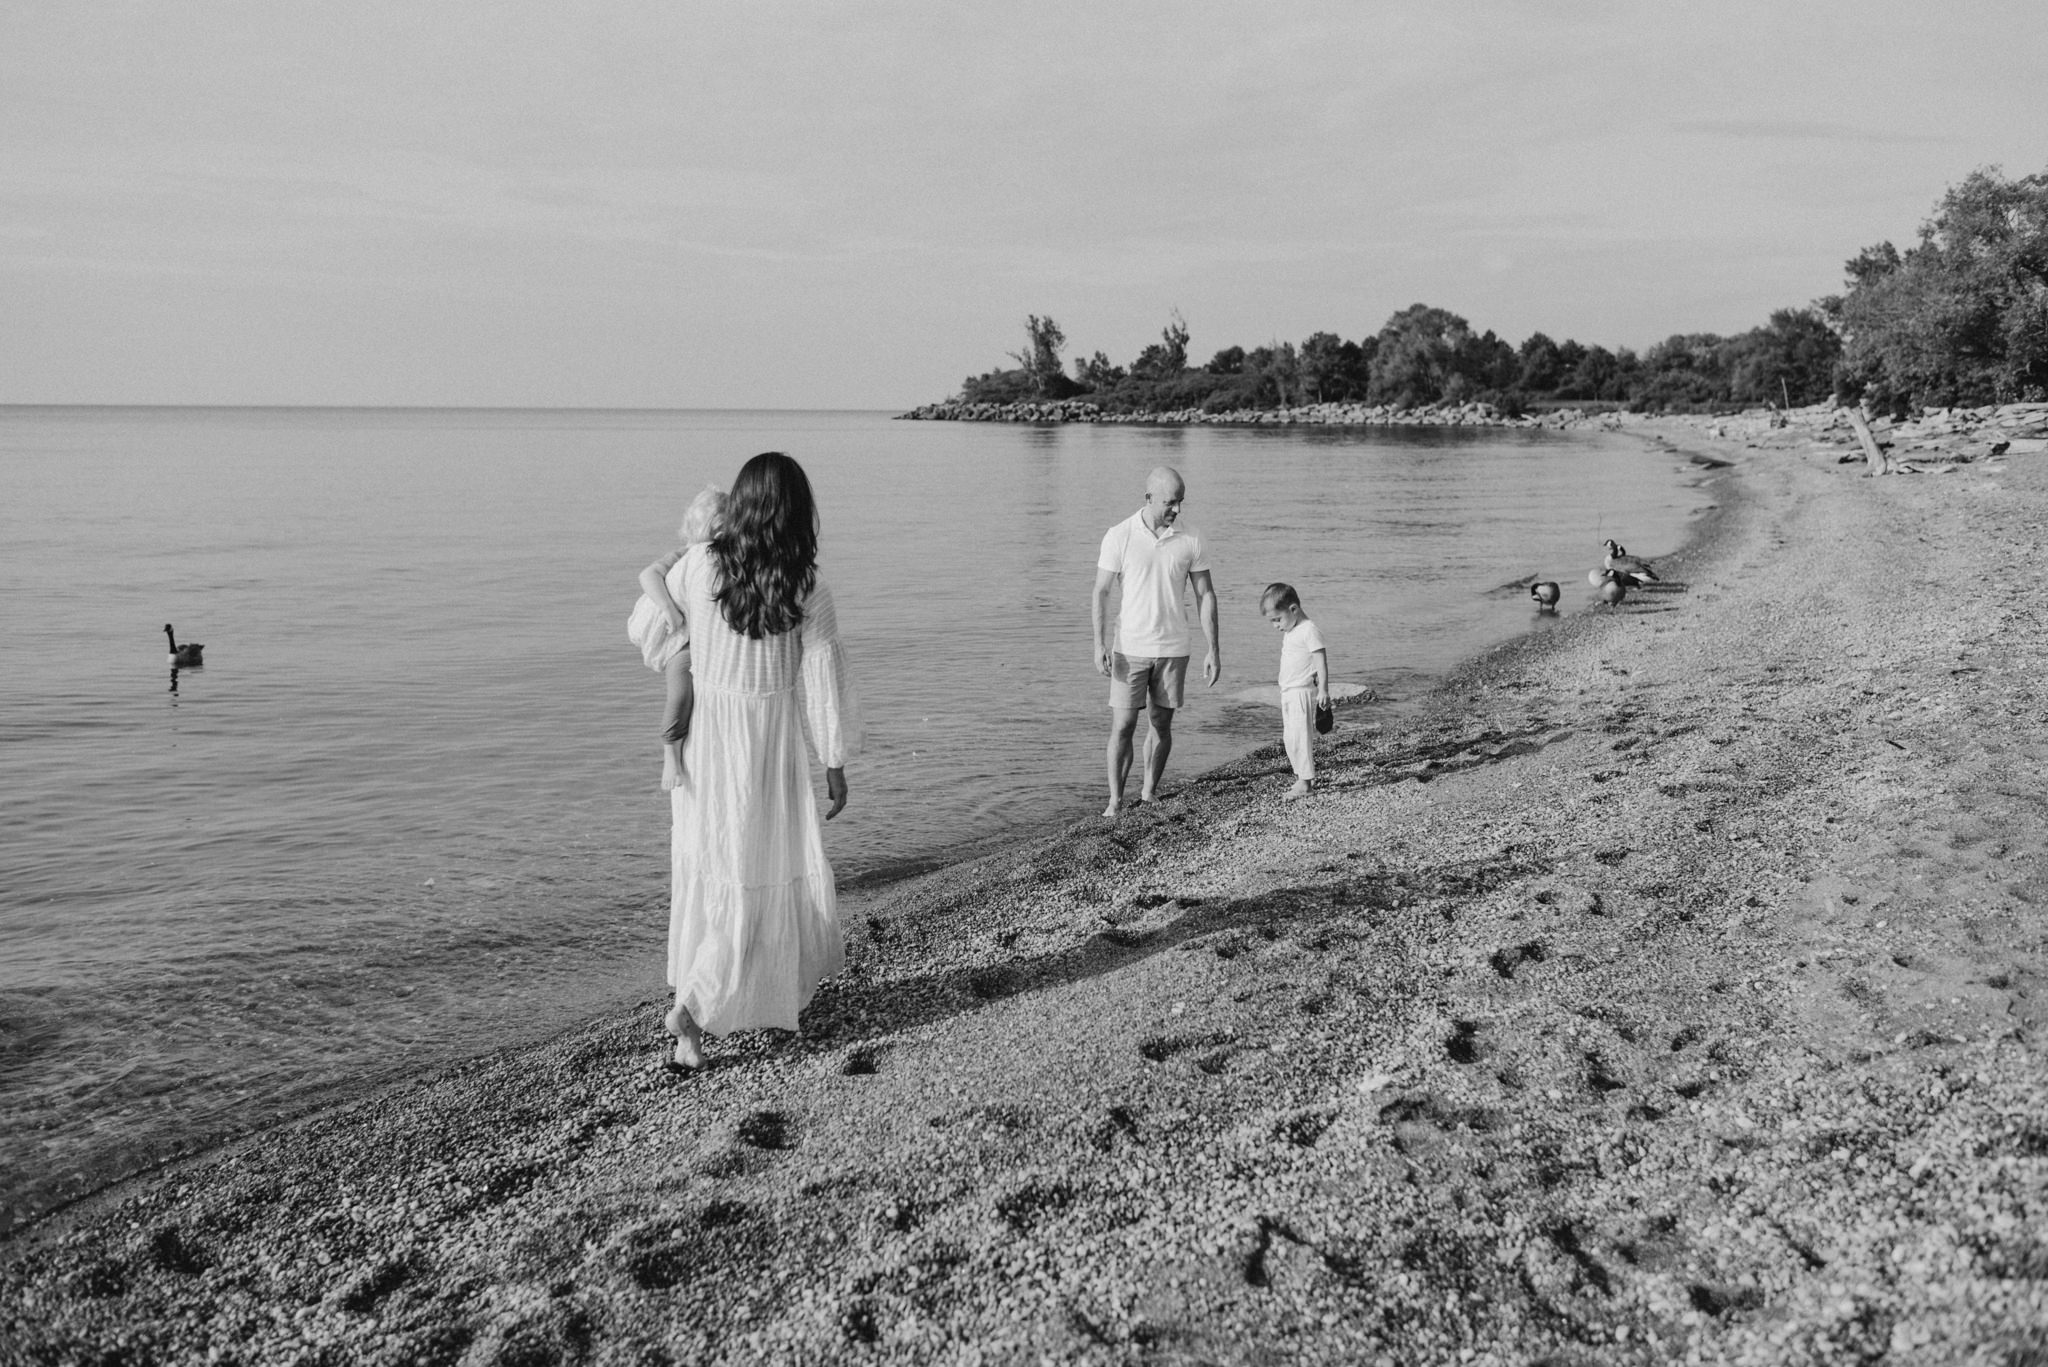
[[1205, 602], [1105, 580]]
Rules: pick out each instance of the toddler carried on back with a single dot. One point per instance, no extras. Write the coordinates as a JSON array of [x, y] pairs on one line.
[[658, 627]]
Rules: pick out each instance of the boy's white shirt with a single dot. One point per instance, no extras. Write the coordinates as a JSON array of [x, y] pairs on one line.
[[1298, 647]]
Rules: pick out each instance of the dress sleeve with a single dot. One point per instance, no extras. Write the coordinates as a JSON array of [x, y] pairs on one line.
[[676, 580], [831, 710]]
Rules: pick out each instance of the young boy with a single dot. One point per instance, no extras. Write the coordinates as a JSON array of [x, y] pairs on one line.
[[1304, 681]]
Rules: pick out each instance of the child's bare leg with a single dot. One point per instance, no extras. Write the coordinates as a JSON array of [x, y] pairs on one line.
[[675, 718]]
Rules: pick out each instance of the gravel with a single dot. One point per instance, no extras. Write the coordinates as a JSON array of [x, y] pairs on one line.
[[1669, 988]]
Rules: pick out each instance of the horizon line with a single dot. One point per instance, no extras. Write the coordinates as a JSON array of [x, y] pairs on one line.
[[447, 408]]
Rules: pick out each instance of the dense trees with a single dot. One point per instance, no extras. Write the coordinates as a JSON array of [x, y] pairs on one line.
[[1166, 358], [1425, 355], [1791, 359], [1040, 358], [1333, 369], [1962, 317], [1415, 356]]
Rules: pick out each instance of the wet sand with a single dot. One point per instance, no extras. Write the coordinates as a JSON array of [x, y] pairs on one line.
[[1670, 987]]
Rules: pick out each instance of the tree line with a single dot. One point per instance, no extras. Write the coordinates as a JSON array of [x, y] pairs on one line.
[[1960, 318]]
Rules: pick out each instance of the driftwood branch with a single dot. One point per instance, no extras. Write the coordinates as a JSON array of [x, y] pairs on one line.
[[1872, 452]]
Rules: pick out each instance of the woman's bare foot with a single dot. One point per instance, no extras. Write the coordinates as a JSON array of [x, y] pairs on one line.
[[689, 1039], [1297, 792], [671, 767], [1116, 805]]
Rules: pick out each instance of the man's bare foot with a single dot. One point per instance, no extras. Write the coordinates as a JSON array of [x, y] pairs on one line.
[[689, 1039], [1148, 797], [1297, 792]]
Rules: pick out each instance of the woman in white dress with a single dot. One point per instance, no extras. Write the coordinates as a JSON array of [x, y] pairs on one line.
[[754, 920]]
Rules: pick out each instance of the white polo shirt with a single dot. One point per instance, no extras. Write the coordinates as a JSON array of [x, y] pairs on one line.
[[1153, 617]]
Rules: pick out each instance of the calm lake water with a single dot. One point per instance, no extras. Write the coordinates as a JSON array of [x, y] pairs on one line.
[[408, 810]]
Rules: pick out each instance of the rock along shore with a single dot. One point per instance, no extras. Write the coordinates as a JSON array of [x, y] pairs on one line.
[[1940, 433], [1306, 415], [1671, 988]]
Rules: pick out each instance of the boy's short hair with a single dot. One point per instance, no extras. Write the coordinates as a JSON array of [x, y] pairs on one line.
[[1279, 596]]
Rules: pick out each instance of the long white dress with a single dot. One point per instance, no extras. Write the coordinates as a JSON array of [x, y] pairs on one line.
[[754, 917]]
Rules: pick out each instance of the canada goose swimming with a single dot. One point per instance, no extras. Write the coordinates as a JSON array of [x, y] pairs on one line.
[[1546, 595], [1622, 561], [186, 655], [1613, 589]]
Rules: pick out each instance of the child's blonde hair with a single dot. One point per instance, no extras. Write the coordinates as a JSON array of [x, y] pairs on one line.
[[700, 519]]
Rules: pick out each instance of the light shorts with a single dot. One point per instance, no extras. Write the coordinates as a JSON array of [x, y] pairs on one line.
[[1135, 680]]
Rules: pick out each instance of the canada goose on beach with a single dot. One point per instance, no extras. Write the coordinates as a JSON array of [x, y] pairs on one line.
[[1546, 595], [1624, 563], [1613, 589], [186, 655], [1598, 576]]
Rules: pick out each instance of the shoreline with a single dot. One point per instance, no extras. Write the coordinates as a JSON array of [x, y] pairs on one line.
[[81, 1183], [1636, 998], [1333, 414]]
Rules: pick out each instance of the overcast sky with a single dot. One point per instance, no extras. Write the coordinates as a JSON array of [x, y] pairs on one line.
[[855, 205]]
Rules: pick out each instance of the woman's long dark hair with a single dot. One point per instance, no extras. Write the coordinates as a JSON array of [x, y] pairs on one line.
[[766, 548]]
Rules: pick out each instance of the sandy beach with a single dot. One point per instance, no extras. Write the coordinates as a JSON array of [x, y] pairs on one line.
[[1670, 987]]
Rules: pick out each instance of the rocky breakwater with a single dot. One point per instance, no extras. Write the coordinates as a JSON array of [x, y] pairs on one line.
[[1936, 441], [1307, 415]]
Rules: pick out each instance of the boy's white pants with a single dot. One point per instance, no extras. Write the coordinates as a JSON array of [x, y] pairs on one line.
[[1298, 730]]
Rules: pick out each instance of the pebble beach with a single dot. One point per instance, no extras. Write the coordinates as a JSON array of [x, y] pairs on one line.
[[1669, 986]]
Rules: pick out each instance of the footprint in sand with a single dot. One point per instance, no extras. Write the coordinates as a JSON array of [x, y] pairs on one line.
[[1304, 1127], [1159, 1048], [767, 1130], [1118, 1125], [1027, 1205], [1506, 961], [1470, 1042]]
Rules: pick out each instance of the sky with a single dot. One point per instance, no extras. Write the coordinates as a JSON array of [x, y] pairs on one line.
[[855, 205]]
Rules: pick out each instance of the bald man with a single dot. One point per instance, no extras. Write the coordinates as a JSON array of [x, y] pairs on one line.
[[1156, 556]]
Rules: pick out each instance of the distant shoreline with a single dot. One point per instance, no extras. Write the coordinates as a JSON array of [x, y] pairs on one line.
[[1304, 415]]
